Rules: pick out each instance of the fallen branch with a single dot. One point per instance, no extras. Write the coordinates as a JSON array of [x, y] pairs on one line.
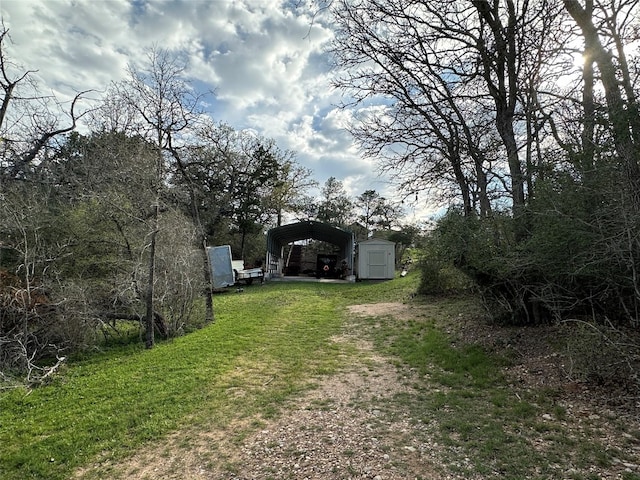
[[49, 371], [158, 320]]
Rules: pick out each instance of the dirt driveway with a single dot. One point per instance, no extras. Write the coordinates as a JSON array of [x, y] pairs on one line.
[[353, 425], [347, 428]]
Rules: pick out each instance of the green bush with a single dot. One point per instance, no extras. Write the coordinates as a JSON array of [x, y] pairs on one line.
[[439, 277], [432, 280], [580, 254]]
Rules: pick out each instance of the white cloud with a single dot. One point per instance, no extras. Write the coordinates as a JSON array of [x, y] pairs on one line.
[[263, 58]]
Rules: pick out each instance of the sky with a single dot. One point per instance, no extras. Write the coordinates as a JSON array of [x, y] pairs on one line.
[[264, 59]]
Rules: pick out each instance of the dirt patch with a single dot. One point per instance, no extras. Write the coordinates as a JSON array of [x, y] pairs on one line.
[[398, 310]]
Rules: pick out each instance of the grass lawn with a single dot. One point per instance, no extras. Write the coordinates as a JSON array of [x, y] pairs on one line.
[[110, 403], [268, 345]]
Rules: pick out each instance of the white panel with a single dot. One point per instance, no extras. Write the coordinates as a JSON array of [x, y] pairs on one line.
[[377, 257], [220, 264], [377, 271]]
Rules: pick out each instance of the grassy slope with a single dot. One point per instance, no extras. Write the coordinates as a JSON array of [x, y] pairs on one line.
[[111, 403]]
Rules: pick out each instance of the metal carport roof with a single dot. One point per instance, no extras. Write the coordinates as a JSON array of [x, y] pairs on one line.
[[278, 237]]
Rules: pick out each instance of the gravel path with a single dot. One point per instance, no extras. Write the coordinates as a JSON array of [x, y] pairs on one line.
[[355, 424], [342, 430], [349, 427]]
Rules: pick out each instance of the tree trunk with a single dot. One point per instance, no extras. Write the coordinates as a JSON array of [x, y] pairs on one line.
[[589, 122], [619, 112], [243, 236], [481, 180], [501, 75], [149, 340], [461, 180], [209, 316]]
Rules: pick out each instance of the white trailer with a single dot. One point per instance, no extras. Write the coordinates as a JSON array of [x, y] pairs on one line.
[[220, 266], [246, 275], [226, 272]]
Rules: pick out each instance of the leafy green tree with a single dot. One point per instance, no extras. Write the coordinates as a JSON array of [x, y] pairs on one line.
[[255, 177], [377, 212], [335, 206], [369, 204], [82, 245], [289, 194], [236, 173]]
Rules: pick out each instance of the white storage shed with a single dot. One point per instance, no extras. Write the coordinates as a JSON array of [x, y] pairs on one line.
[[376, 259]]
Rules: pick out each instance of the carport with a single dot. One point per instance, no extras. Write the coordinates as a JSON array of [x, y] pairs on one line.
[[279, 237]]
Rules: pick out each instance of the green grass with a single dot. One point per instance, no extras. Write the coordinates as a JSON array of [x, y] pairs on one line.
[[470, 408], [109, 404], [267, 346], [114, 402]]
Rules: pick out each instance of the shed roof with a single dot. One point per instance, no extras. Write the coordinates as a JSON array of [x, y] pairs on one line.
[[309, 229], [379, 241]]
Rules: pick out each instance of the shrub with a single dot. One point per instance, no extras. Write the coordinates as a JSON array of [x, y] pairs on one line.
[[602, 354], [438, 273]]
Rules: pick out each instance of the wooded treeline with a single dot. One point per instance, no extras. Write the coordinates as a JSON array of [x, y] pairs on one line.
[[107, 204], [523, 115]]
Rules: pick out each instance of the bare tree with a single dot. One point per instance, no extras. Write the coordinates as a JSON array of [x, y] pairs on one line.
[[31, 124], [615, 76], [29, 120], [28, 317], [386, 49], [167, 109], [443, 93]]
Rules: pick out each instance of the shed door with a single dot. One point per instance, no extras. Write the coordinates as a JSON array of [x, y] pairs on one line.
[[377, 264]]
